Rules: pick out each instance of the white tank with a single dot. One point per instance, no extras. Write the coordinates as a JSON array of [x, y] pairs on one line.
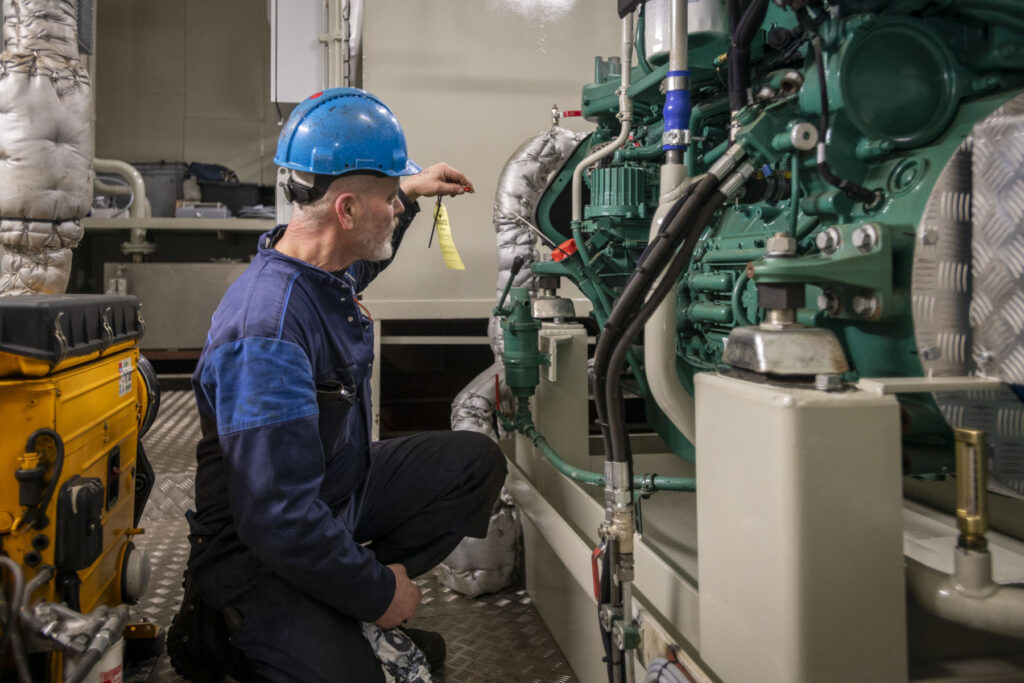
[[707, 21]]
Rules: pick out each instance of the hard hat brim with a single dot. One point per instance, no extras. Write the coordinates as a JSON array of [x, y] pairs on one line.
[[411, 168]]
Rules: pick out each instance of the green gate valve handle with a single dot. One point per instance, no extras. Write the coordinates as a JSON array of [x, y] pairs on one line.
[[517, 265]]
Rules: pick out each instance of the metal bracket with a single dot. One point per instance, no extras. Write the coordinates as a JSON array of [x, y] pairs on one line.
[[548, 345], [62, 341], [609, 616], [625, 636], [887, 386]]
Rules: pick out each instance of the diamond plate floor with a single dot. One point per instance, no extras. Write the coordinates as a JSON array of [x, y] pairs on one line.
[[493, 638]]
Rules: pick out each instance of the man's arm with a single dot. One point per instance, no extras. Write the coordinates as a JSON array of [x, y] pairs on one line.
[[439, 179], [267, 418]]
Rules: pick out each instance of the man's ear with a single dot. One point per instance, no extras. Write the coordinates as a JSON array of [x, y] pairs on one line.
[[344, 208]]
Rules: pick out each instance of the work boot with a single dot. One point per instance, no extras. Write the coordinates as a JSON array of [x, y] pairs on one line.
[[193, 631], [430, 643]]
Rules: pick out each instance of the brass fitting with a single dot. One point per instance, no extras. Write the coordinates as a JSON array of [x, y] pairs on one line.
[[971, 490]]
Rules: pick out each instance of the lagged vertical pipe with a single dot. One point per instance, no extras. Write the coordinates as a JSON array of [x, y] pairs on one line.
[[625, 117], [677, 90], [660, 330], [46, 145]]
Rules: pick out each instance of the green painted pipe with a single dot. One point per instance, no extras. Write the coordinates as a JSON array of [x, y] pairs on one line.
[[638, 153], [711, 282], [524, 425], [739, 315], [581, 249], [713, 156], [713, 313], [699, 113]]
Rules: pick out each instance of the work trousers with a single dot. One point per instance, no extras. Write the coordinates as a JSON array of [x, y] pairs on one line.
[[422, 495]]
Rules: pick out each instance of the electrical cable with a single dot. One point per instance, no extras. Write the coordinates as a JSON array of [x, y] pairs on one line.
[[639, 44], [40, 506], [856, 192], [606, 596]]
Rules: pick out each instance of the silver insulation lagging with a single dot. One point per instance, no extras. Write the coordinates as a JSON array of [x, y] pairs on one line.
[[46, 143], [523, 180], [486, 565]]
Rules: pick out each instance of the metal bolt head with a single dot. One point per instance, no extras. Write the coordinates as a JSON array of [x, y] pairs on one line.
[[803, 136], [931, 353], [792, 81], [865, 237], [780, 244], [866, 305], [930, 236], [828, 301], [672, 137], [828, 240]]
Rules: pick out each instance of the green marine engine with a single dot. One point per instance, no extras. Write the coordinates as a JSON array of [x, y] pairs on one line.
[[845, 118]]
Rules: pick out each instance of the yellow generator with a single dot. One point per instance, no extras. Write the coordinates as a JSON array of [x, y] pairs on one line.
[[75, 396]]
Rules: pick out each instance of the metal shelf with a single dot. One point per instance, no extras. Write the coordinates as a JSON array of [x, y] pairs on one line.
[[190, 224]]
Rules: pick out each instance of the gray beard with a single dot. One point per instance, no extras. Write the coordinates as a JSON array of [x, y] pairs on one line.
[[378, 251]]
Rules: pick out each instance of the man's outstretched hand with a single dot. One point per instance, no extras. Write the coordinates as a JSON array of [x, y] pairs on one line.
[[439, 179], [407, 598]]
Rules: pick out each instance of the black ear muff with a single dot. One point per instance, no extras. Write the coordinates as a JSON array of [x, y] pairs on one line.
[[304, 194], [300, 194], [286, 190]]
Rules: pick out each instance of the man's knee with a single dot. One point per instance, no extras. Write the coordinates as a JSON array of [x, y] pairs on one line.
[[486, 460]]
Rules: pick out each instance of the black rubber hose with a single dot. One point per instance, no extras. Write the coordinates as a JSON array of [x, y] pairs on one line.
[[613, 388], [637, 287], [653, 259], [654, 251], [851, 189], [606, 637], [740, 39], [735, 10], [32, 516], [627, 304]]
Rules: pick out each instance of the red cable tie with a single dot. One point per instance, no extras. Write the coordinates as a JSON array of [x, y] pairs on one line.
[[571, 112]]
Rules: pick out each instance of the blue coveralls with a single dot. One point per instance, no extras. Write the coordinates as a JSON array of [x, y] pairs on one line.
[[296, 511]]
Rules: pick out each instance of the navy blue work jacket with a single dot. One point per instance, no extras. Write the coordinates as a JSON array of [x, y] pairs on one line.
[[283, 391]]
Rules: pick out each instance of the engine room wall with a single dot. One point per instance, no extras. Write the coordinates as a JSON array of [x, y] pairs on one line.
[[189, 81], [186, 81], [470, 81]]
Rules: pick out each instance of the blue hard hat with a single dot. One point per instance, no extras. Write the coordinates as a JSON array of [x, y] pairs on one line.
[[341, 130]]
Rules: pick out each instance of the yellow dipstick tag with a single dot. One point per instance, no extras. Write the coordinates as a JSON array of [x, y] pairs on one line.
[[444, 236]]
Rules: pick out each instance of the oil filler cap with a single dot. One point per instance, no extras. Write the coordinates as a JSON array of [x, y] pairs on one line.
[[564, 250]]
